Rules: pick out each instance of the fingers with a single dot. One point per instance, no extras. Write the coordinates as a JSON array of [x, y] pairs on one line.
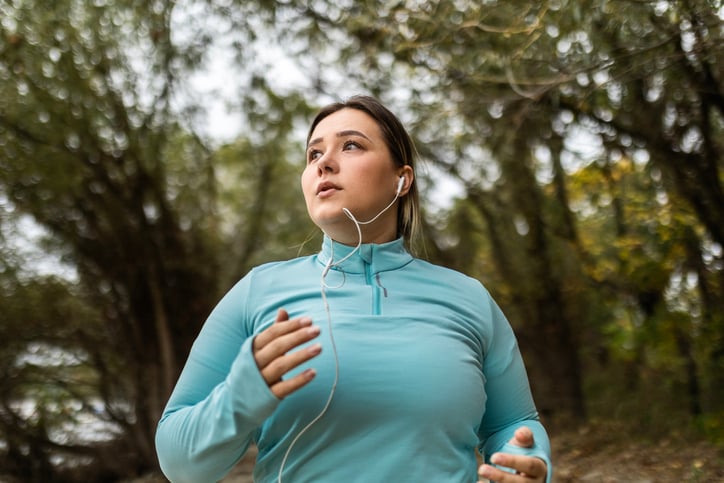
[[286, 361], [528, 465], [511, 468], [284, 388], [265, 352], [491, 473], [279, 326], [275, 355], [517, 469], [282, 337]]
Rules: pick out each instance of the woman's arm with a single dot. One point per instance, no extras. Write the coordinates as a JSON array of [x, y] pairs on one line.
[[509, 404], [219, 400]]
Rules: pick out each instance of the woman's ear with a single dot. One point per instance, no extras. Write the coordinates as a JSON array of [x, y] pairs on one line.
[[407, 176]]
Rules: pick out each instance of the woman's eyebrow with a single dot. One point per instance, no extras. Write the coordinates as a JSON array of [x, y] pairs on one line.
[[340, 134], [352, 132]]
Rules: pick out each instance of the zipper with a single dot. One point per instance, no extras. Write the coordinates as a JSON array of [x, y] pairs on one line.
[[376, 289]]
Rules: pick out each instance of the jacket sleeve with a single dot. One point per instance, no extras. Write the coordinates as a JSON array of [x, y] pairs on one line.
[[220, 399], [509, 403]]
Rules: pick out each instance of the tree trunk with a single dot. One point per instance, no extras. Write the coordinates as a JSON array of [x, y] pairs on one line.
[[543, 327]]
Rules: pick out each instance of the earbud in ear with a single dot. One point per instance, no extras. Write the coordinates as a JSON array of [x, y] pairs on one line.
[[400, 185]]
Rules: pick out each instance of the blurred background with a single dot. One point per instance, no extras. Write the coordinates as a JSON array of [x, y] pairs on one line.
[[572, 160]]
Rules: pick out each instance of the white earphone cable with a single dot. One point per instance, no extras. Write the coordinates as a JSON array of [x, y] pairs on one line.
[[336, 369], [323, 283]]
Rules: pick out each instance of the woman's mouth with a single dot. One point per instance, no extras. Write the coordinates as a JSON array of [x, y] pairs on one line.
[[326, 189]]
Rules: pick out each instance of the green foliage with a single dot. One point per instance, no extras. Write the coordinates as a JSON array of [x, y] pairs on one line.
[[711, 425], [48, 381], [148, 213]]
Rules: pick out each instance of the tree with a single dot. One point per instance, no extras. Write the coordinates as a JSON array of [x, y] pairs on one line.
[[93, 149]]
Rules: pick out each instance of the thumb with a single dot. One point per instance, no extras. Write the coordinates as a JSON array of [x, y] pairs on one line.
[[282, 315], [523, 437]]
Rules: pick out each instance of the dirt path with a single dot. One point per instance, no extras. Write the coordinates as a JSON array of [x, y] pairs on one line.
[[587, 457]]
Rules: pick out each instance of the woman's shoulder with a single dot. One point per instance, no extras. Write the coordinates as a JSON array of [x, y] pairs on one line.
[[288, 266], [441, 270], [274, 274], [447, 275]]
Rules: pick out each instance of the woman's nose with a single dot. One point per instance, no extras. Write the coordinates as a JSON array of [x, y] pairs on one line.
[[326, 164]]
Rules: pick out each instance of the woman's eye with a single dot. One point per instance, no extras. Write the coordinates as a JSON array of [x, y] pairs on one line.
[[313, 155], [349, 145]]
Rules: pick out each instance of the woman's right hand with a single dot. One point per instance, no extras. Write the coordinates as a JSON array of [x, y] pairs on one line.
[[274, 356]]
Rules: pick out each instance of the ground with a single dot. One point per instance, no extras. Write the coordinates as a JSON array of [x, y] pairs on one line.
[[599, 455], [584, 456]]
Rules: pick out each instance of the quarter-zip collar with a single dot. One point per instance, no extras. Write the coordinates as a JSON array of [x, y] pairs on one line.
[[370, 258]]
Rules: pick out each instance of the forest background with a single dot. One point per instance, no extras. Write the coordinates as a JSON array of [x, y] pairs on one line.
[[572, 161]]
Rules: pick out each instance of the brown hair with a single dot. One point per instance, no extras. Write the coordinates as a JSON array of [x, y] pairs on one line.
[[401, 148]]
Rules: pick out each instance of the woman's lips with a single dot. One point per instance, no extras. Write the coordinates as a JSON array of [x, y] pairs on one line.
[[327, 189], [327, 193]]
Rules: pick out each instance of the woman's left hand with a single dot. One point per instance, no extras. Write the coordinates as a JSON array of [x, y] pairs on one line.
[[528, 469]]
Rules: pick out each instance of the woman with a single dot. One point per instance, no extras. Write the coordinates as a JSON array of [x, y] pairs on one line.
[[361, 363]]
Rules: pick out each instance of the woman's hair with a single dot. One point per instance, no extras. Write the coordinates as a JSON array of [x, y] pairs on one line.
[[401, 148]]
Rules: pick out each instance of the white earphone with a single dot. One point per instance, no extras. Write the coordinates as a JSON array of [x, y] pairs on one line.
[[400, 185]]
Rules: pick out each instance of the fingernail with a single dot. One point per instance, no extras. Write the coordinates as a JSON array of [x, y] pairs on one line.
[[310, 373], [495, 459], [314, 330], [484, 471], [315, 348], [305, 321]]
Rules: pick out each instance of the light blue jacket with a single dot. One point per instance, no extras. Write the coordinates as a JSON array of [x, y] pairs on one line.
[[429, 370]]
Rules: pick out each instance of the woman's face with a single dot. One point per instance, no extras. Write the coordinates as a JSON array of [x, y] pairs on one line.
[[349, 166]]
